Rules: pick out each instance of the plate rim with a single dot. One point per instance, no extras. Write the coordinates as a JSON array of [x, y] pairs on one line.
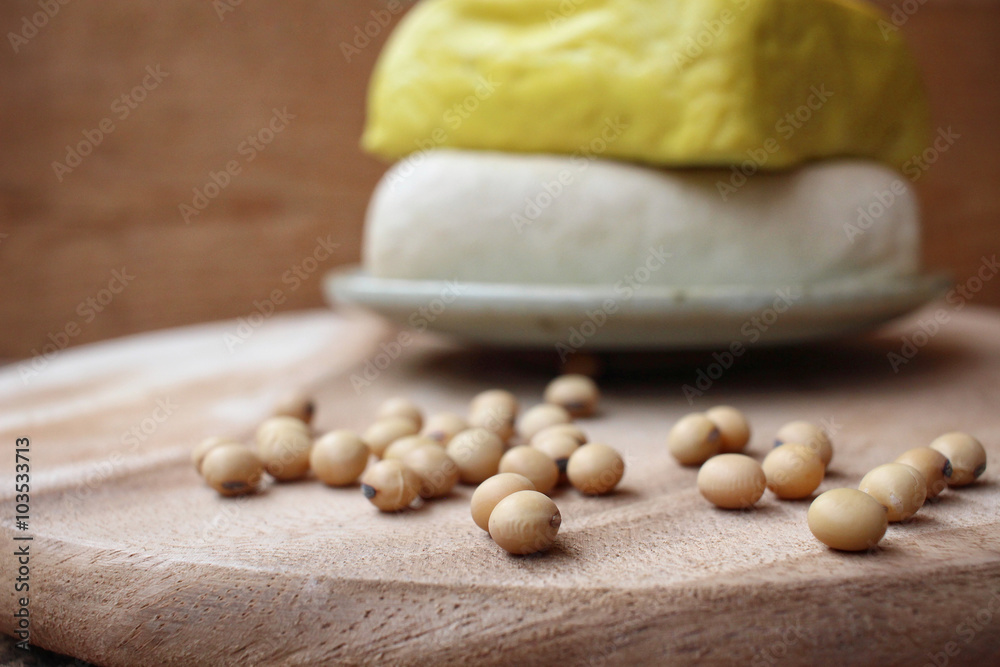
[[825, 310], [346, 283]]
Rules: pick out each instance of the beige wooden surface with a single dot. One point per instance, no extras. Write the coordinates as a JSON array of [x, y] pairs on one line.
[[135, 561], [119, 208]]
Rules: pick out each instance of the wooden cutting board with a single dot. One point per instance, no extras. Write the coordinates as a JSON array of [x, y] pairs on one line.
[[135, 561]]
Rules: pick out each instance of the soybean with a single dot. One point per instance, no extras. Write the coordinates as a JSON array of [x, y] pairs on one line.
[[400, 407], [595, 469], [389, 485], [232, 469], [438, 473], [694, 439], [901, 488], [477, 453], [525, 522], [494, 398], [338, 458], [540, 417], [558, 447], [577, 394], [384, 432], [793, 470], [732, 481], [280, 423], [297, 405], [283, 444], [400, 448], [205, 446], [932, 464], [571, 430], [533, 464], [444, 426], [967, 456], [734, 430], [808, 434], [493, 490], [847, 519], [494, 410]]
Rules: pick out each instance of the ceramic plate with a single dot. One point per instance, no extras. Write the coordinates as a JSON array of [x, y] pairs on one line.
[[654, 317]]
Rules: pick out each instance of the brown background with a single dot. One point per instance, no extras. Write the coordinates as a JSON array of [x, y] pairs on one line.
[[119, 208]]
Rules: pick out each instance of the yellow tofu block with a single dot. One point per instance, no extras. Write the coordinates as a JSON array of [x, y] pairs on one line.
[[666, 82]]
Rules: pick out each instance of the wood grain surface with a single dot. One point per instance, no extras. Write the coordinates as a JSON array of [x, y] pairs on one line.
[[60, 240], [136, 561]]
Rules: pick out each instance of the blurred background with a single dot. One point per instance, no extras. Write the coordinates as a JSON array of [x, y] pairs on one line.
[[248, 113]]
